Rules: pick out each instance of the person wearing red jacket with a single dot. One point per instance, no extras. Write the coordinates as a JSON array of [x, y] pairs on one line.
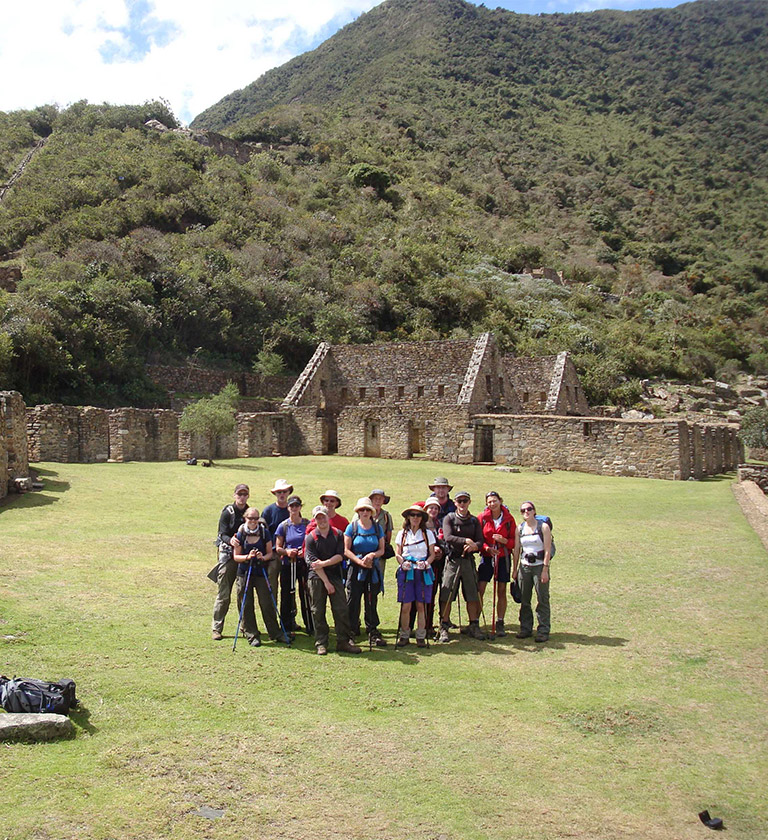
[[499, 529]]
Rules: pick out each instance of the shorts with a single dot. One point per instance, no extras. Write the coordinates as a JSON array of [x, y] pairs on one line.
[[466, 567], [485, 570]]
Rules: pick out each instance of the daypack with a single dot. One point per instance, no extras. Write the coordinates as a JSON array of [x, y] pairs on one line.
[[35, 696], [539, 520]]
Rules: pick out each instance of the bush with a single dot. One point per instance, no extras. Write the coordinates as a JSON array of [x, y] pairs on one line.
[[754, 428]]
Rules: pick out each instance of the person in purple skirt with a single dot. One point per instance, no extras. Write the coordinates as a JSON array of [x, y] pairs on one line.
[[415, 554]]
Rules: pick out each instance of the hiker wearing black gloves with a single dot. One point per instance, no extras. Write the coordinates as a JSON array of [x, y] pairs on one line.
[[224, 576], [364, 548], [252, 546], [463, 538]]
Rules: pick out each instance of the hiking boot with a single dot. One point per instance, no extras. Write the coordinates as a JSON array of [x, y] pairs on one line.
[[421, 643], [348, 647], [322, 650], [377, 639], [216, 635], [254, 641], [443, 635], [476, 633], [541, 637], [283, 639], [402, 640], [523, 634], [465, 630], [500, 631]]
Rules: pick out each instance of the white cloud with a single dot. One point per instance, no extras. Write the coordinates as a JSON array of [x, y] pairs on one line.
[[128, 51]]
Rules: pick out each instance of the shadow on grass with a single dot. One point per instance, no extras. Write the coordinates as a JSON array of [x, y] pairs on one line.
[[711, 479], [81, 716], [37, 498], [238, 467]]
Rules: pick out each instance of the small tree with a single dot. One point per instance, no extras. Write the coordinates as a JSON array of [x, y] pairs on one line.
[[211, 417], [754, 428]]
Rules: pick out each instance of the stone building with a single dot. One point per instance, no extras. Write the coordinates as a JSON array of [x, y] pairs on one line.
[[396, 400], [547, 384]]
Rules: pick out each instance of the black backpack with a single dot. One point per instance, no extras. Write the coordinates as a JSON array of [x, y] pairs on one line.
[[35, 696]]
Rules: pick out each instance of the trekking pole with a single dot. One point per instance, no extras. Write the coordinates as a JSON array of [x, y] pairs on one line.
[[370, 601], [454, 590], [482, 608], [495, 578], [242, 605], [294, 612], [271, 595]]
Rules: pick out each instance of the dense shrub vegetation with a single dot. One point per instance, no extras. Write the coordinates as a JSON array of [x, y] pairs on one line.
[[411, 167]]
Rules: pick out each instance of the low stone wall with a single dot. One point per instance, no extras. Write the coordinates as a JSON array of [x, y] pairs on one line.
[[268, 390], [259, 434], [14, 460], [756, 473], [68, 433], [667, 449], [137, 434]]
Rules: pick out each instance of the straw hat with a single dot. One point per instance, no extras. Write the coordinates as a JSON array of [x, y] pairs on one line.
[[364, 503], [282, 484], [415, 509], [333, 494]]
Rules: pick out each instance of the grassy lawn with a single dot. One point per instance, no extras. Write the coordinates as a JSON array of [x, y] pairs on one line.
[[648, 704]]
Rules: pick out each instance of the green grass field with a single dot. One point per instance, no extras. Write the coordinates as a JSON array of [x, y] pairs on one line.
[[648, 704]]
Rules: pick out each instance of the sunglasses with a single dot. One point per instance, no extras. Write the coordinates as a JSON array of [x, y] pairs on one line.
[[251, 518], [242, 493], [526, 509]]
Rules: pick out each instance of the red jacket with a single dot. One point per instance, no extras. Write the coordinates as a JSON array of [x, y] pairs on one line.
[[507, 528]]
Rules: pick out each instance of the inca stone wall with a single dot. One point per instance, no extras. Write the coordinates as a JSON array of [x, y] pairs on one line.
[[644, 448], [14, 452], [268, 390], [67, 433], [143, 435]]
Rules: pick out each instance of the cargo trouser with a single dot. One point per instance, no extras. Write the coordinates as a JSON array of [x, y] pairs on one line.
[[528, 579], [268, 613], [225, 582], [318, 595]]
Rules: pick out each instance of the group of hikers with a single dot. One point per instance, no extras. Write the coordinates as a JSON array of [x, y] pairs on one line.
[[278, 554]]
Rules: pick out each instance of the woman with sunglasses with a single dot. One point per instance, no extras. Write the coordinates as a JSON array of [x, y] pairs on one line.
[[415, 554], [531, 558], [499, 528]]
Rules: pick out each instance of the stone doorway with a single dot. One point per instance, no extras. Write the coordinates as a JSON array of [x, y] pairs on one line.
[[484, 445], [330, 436], [372, 439], [417, 437]]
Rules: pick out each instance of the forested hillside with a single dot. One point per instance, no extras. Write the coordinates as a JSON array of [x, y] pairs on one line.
[[409, 169]]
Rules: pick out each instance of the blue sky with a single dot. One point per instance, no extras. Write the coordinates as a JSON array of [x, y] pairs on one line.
[[129, 51]]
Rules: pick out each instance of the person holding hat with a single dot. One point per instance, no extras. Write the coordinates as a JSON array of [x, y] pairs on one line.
[[289, 547], [463, 539], [323, 551], [440, 489], [364, 548], [415, 554], [224, 573], [332, 501]]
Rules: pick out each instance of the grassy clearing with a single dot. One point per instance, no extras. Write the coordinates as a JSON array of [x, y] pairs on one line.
[[647, 705]]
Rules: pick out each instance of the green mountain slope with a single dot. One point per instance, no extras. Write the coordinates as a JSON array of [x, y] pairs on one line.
[[410, 167]]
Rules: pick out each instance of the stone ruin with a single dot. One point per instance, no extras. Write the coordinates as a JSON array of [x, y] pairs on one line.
[[459, 401]]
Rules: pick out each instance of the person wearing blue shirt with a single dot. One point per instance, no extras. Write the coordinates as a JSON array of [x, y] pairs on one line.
[[289, 546], [364, 548]]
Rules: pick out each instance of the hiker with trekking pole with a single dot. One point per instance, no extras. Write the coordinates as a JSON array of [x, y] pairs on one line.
[[223, 574], [499, 529], [463, 538], [364, 548], [415, 554], [323, 551], [252, 551]]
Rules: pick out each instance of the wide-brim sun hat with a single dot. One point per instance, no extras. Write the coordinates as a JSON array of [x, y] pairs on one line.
[[440, 481], [379, 492], [364, 503], [415, 509], [333, 494], [282, 484]]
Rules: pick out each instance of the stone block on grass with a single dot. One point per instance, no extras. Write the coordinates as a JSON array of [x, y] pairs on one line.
[[35, 727]]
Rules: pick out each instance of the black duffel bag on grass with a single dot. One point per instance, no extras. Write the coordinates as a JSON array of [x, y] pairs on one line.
[[35, 696]]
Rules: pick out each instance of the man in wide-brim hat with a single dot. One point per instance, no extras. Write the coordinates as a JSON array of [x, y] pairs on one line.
[[332, 502], [272, 516], [440, 489]]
